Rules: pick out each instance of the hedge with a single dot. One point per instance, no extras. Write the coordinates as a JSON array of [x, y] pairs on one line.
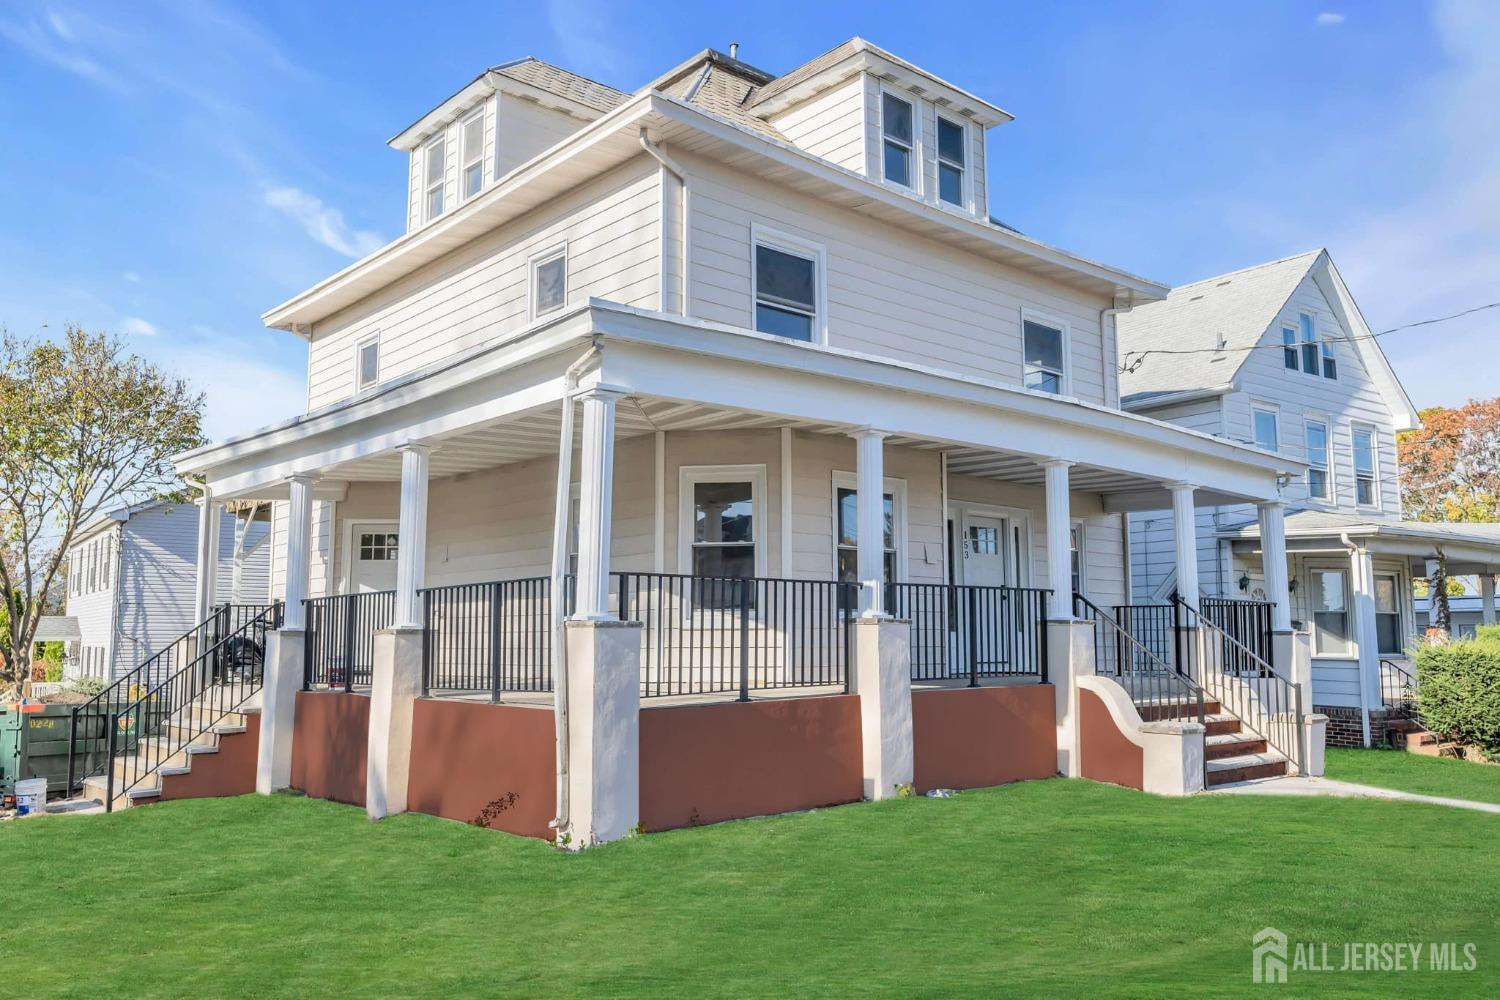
[[1458, 689]]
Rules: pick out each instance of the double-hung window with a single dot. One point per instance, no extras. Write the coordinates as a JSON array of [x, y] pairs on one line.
[[1318, 486], [1266, 434], [549, 281], [1365, 492], [436, 167], [786, 290], [722, 508], [1303, 349], [1289, 352], [1388, 615], [950, 161], [1309, 344], [897, 124], [1330, 611], [848, 535], [473, 154], [1045, 355]]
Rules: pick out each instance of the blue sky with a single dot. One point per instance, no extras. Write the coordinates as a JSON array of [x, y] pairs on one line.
[[174, 169]]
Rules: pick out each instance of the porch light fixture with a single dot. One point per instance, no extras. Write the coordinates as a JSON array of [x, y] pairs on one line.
[[1291, 585], [1244, 581]]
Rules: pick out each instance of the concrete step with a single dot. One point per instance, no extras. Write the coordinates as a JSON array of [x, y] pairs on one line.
[[1245, 767], [1233, 745], [1221, 724]]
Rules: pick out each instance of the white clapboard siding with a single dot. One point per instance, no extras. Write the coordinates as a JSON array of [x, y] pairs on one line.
[[93, 605], [1153, 546], [830, 124], [479, 293], [888, 294]]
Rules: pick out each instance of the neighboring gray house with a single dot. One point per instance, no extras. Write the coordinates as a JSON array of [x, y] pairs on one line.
[[1468, 610], [132, 580], [1278, 356]]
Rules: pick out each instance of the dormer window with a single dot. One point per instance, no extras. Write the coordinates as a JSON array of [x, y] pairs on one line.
[[896, 122], [436, 167], [473, 154], [950, 161]]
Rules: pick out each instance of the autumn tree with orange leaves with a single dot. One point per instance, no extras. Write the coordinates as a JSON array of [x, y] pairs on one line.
[[1450, 470]]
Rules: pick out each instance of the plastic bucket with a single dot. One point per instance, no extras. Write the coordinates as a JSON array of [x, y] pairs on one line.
[[31, 796]]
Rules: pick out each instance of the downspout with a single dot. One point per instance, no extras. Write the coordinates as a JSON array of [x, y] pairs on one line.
[[559, 582], [1110, 314], [1364, 682], [672, 167]]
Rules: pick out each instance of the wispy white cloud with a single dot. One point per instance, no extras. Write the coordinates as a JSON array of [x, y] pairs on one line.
[[323, 223], [1329, 19], [134, 326], [52, 39]]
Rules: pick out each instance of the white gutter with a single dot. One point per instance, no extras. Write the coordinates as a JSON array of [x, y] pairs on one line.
[[559, 581], [675, 169]]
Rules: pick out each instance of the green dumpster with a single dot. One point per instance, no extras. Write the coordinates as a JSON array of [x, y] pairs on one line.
[[35, 744]]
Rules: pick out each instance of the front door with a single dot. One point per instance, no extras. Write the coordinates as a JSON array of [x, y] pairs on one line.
[[372, 557], [985, 562]]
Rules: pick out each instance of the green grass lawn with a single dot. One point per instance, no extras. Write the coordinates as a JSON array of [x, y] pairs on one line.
[[1042, 888], [1408, 772]]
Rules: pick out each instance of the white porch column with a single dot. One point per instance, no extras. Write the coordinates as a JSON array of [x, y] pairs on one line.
[[870, 520], [1273, 563], [1362, 577], [1185, 535], [298, 551], [1486, 598], [595, 498], [1059, 539], [209, 511], [411, 551]]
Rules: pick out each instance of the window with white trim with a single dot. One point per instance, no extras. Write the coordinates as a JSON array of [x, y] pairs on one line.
[[1267, 435], [1318, 485], [1289, 352], [435, 157], [378, 546], [897, 126], [1366, 493], [786, 290], [1075, 546], [847, 500], [1045, 354], [549, 282], [1388, 632], [1330, 612], [951, 151], [367, 363], [473, 154], [722, 511], [1304, 349]]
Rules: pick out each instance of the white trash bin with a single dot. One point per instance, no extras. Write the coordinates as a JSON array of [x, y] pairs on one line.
[[31, 797]]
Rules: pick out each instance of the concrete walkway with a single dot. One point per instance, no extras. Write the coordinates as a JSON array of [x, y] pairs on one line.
[[1294, 785]]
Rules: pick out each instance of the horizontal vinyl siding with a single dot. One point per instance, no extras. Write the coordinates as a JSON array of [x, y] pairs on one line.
[[889, 294], [94, 608], [479, 293], [160, 580], [527, 129], [1153, 545], [830, 125]]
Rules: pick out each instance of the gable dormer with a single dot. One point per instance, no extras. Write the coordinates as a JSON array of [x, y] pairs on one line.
[[502, 118], [867, 110]]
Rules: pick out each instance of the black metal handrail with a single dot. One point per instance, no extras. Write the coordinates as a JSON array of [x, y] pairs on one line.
[[1160, 691], [339, 641], [1245, 684], [1398, 690], [159, 726], [86, 733], [963, 631], [1247, 622]]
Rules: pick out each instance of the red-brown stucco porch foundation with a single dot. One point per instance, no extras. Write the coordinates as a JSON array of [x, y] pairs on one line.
[[1105, 753], [330, 745], [978, 737]]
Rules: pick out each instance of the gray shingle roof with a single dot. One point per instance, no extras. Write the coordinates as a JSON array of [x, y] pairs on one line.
[[808, 69], [556, 80], [1232, 309], [1305, 523]]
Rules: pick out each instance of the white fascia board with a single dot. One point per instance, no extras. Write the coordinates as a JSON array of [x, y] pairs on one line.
[[417, 132], [682, 113], [1176, 398], [771, 375]]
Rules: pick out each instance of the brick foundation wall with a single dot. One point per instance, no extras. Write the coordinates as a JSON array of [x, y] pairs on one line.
[[1344, 729]]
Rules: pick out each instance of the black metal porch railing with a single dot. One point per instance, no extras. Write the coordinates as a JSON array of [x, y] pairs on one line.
[[1240, 680], [157, 728], [87, 733], [339, 649], [1150, 625], [1398, 690], [714, 635], [492, 637], [968, 632], [1153, 682], [1248, 623]]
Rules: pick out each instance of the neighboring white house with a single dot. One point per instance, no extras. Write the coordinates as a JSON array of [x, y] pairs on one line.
[[132, 580], [1278, 356], [804, 354]]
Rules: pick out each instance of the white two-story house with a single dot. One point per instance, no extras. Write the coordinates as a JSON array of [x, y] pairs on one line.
[[737, 356], [1278, 355]]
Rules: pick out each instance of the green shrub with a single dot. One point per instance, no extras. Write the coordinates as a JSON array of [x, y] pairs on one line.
[[1487, 633], [1458, 689]]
